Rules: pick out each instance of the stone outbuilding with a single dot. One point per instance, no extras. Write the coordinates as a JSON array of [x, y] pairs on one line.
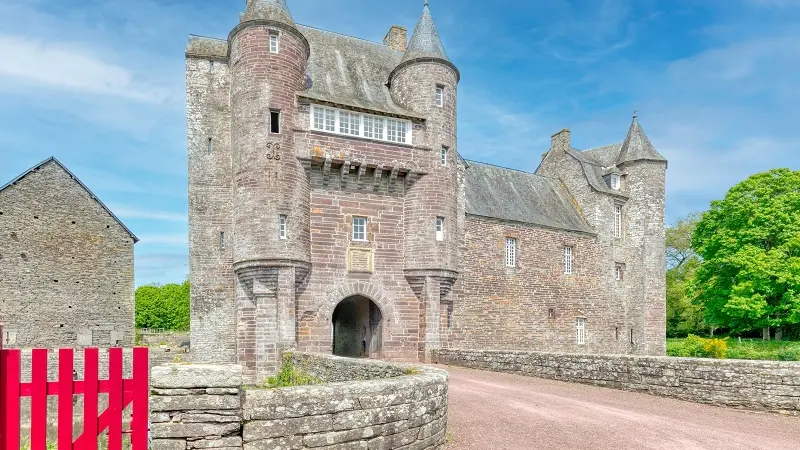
[[66, 264]]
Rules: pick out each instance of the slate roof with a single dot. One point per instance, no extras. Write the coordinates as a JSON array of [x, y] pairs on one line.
[[268, 10], [425, 42], [351, 72], [637, 146], [514, 195], [80, 183], [593, 163]]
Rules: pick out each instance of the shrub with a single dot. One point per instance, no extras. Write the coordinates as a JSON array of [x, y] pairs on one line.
[[697, 347], [290, 375], [788, 355], [163, 307]]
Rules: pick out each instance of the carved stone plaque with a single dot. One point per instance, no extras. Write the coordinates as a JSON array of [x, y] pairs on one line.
[[360, 260]]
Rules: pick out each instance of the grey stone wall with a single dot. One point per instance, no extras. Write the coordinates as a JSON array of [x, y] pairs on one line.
[[66, 265], [641, 295], [408, 412], [756, 385], [380, 406], [196, 406]]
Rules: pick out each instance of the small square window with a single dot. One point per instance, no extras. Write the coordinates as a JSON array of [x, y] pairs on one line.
[[273, 42], [444, 156], [568, 260], [282, 226], [359, 229], [440, 228], [580, 331], [439, 96], [511, 252], [274, 121]]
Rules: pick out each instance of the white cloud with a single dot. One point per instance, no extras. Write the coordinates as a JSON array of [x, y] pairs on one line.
[[68, 67], [132, 213], [165, 239]]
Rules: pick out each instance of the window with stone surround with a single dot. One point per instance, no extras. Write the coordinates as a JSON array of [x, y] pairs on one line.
[[274, 121], [617, 221], [444, 156], [274, 43], [440, 228], [619, 272], [282, 226], [568, 260], [349, 123], [360, 229], [580, 330], [511, 252], [440, 95]]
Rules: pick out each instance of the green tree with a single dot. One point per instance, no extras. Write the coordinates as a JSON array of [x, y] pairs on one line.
[[684, 317], [163, 307], [749, 243]]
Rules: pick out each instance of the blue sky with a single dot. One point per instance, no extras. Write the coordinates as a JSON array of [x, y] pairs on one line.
[[100, 85]]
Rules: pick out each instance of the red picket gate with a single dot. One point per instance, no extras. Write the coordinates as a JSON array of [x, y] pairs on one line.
[[122, 392]]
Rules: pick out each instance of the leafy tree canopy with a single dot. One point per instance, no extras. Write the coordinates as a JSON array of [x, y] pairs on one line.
[[684, 317], [163, 307], [749, 244]]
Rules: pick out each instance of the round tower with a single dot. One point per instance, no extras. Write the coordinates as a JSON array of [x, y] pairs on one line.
[[426, 82], [271, 239]]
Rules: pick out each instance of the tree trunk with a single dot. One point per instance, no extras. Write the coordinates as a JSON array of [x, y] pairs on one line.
[[779, 334], [765, 333]]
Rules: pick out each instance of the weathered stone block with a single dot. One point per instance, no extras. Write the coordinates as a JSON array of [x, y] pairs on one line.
[[168, 444], [286, 443], [257, 430], [189, 376], [216, 442], [195, 402], [193, 430]]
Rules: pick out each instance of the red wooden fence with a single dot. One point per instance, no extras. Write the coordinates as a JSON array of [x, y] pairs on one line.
[[121, 393]]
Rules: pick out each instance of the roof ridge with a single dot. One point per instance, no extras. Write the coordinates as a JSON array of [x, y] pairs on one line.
[[347, 35], [77, 180]]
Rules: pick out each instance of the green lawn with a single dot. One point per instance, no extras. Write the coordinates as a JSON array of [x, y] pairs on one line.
[[750, 349]]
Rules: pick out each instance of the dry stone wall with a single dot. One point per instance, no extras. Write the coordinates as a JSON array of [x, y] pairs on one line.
[[756, 385], [196, 406], [362, 405]]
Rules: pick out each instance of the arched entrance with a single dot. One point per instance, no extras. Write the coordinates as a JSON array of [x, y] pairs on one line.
[[357, 328]]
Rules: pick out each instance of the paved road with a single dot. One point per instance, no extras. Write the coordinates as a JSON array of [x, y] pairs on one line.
[[495, 411]]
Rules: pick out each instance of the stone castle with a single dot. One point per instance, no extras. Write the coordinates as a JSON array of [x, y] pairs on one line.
[[330, 211]]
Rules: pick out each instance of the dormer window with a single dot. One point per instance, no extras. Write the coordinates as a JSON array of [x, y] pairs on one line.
[[614, 181]]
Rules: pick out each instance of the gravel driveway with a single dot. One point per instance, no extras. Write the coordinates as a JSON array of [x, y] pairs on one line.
[[490, 411]]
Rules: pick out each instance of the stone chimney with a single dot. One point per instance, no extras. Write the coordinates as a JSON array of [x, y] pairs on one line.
[[560, 142], [396, 38]]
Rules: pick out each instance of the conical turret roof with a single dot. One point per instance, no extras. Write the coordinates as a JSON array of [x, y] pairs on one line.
[[425, 42], [268, 10], [637, 146]]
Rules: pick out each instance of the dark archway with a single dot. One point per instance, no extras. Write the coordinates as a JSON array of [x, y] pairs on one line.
[[357, 328]]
